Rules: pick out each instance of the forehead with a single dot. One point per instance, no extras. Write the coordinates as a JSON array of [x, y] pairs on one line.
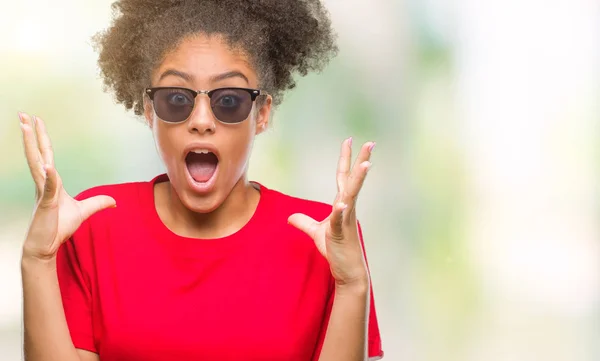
[[204, 57]]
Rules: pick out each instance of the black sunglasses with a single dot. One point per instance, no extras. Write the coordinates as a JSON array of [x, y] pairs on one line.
[[176, 104]]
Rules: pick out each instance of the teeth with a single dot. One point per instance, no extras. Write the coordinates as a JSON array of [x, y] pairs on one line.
[[201, 151]]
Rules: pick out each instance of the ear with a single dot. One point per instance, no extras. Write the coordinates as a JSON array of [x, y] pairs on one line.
[[262, 118], [148, 111]]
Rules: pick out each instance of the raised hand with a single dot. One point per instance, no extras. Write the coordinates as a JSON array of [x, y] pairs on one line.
[[56, 214], [337, 237]]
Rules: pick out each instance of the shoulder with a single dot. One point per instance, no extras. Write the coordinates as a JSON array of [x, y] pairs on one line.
[[286, 205], [102, 228], [126, 194], [118, 190], [130, 197]]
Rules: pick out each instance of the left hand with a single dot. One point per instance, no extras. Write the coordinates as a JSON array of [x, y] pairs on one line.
[[336, 237]]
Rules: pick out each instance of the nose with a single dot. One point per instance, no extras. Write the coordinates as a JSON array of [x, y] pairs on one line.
[[202, 120]]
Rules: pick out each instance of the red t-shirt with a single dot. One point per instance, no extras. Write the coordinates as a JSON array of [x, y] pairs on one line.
[[133, 290]]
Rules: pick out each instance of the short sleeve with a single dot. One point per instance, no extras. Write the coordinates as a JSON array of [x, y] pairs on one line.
[[375, 351], [75, 291]]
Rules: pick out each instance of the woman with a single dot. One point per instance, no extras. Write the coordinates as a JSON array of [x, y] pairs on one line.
[[199, 263]]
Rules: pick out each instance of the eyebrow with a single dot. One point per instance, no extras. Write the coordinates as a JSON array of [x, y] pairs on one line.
[[228, 75], [177, 73], [213, 79]]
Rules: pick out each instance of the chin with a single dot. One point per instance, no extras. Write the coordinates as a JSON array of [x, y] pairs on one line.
[[205, 204], [202, 202]]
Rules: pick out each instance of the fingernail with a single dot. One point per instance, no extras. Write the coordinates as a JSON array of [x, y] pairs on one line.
[[20, 117], [344, 206], [350, 141], [368, 165], [372, 147]]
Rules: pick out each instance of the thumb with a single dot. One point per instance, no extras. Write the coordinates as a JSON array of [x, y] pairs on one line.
[[304, 223], [50, 185], [94, 204], [335, 221]]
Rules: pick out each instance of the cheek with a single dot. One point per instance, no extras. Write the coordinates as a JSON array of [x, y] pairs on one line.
[[240, 148], [164, 141]]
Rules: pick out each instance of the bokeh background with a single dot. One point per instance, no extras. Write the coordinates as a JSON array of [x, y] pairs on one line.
[[481, 212]]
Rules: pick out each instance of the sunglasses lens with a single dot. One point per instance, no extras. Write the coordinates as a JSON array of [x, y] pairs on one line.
[[231, 105], [173, 105]]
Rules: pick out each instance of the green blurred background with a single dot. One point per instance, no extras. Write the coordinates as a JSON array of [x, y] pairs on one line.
[[480, 214]]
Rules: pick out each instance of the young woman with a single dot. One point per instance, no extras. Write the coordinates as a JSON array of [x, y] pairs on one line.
[[199, 263]]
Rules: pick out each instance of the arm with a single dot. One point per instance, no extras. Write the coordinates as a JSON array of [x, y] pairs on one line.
[[337, 238], [56, 217], [346, 337], [46, 335]]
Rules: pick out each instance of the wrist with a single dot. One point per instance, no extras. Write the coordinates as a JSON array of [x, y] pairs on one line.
[[29, 259], [359, 286], [32, 251]]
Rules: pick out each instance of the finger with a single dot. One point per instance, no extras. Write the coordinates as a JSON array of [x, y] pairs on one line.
[[358, 174], [95, 204], [335, 221], [43, 141], [304, 223], [355, 183], [32, 151], [50, 186], [363, 155], [344, 164]]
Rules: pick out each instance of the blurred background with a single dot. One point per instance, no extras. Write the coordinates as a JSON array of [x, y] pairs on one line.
[[481, 212]]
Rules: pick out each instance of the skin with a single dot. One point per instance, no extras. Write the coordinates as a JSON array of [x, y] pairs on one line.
[[184, 211], [217, 213]]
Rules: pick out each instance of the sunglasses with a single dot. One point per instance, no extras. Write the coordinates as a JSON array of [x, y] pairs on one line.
[[176, 104]]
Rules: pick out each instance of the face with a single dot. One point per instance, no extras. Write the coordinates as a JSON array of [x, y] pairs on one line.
[[204, 157]]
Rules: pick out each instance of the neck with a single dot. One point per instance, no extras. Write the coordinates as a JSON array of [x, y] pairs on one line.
[[228, 218]]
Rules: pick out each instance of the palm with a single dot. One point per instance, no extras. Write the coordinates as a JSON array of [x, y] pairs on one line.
[[320, 236], [68, 218], [57, 215], [336, 237]]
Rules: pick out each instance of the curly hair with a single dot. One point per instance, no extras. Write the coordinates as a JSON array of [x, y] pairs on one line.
[[280, 37]]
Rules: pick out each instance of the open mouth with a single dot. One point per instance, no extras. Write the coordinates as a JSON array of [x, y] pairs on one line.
[[201, 164]]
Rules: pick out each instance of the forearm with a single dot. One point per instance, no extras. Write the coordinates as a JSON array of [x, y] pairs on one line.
[[46, 334], [346, 337]]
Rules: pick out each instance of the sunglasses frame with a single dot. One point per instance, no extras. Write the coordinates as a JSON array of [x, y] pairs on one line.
[[150, 92]]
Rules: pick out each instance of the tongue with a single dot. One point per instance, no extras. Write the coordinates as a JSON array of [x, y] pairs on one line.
[[201, 167]]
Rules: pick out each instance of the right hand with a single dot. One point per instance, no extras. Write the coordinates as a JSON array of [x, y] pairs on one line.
[[56, 215]]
